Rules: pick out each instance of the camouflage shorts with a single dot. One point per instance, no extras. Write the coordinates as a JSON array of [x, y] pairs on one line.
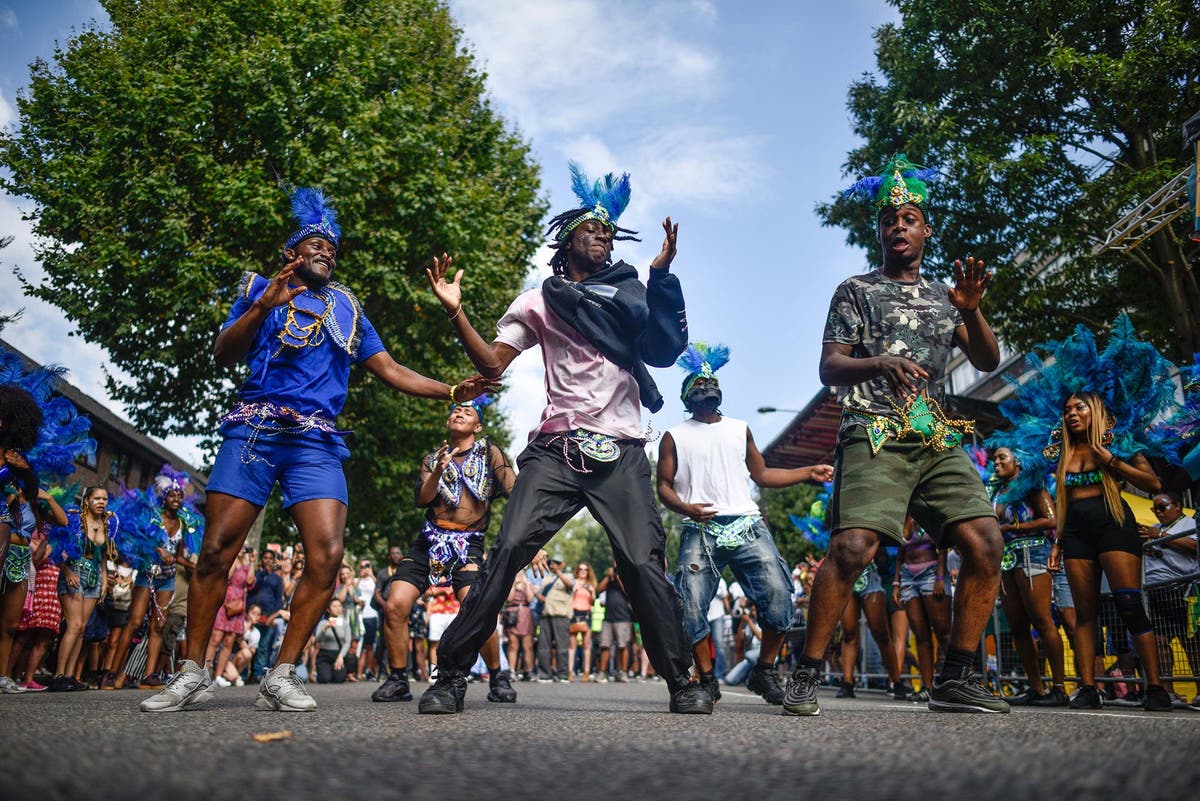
[[876, 492]]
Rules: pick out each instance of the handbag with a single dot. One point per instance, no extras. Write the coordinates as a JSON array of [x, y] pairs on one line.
[[235, 607], [510, 617]]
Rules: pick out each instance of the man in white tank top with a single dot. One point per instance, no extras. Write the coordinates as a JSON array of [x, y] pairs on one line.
[[705, 466]]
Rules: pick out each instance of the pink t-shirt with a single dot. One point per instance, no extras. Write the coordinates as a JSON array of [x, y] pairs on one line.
[[583, 389]]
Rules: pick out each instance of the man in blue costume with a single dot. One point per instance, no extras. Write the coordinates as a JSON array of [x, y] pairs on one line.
[[299, 333]]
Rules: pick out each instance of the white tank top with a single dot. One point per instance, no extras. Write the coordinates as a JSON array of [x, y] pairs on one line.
[[711, 465]]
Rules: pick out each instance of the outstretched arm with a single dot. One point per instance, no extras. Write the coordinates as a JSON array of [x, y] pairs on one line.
[[410, 382], [974, 336], [491, 360], [666, 329], [773, 477], [233, 343]]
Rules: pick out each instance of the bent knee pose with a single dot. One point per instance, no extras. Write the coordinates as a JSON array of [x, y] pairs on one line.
[[300, 333], [705, 465], [599, 328], [1026, 586], [457, 486], [886, 346]]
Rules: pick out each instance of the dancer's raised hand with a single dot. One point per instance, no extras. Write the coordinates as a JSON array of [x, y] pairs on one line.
[[448, 292]]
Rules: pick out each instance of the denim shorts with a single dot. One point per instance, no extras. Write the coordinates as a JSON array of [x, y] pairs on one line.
[[868, 582], [305, 467], [919, 585], [158, 583], [66, 589], [756, 564], [1062, 591], [1032, 560]]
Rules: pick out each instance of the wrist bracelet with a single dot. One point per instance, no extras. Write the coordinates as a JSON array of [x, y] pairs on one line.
[[457, 312], [453, 389], [939, 577], [1113, 460]]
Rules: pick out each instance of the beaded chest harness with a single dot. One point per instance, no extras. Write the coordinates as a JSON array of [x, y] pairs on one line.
[[921, 416]]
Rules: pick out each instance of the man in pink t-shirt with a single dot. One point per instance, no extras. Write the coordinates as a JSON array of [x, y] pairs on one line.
[[599, 327]]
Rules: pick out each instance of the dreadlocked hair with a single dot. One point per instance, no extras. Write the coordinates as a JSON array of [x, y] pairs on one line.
[[558, 262], [20, 418]]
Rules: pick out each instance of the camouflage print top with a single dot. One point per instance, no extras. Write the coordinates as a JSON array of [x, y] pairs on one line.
[[876, 315]]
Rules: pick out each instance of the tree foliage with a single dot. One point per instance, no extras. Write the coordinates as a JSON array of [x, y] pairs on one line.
[[151, 148], [777, 505], [1050, 120]]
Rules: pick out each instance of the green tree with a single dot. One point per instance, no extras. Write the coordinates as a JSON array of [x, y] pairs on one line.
[[1050, 120], [777, 505], [151, 148]]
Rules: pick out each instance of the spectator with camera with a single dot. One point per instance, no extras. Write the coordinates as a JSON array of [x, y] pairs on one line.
[[554, 633], [1169, 566], [333, 644]]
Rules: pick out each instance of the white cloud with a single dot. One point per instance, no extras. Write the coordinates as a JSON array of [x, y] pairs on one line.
[[8, 19], [8, 112]]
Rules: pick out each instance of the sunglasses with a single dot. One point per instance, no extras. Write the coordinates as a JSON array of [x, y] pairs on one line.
[[1160, 507]]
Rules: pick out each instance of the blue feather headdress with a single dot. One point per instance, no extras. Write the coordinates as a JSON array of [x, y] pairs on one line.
[[1133, 378], [814, 526], [1179, 435], [701, 360], [169, 479], [900, 182], [604, 199], [479, 404], [63, 435], [315, 217]]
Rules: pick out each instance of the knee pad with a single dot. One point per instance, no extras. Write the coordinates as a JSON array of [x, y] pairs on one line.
[[1132, 611]]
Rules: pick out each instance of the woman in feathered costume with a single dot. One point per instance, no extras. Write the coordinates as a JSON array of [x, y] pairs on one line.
[[1027, 523], [160, 531], [1097, 407]]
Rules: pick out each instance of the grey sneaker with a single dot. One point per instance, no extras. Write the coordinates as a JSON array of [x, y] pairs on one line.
[[964, 695], [190, 685], [8, 686], [800, 697], [281, 691], [921, 696]]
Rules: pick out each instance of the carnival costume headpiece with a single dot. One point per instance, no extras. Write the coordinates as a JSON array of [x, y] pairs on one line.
[[701, 360], [1179, 436], [140, 513], [62, 436], [479, 404], [1131, 376], [813, 525], [168, 480], [315, 217], [901, 182]]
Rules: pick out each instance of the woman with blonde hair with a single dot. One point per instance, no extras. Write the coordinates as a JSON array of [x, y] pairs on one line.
[[1099, 533]]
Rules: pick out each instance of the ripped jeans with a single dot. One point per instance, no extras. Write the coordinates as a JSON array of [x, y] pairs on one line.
[[757, 566]]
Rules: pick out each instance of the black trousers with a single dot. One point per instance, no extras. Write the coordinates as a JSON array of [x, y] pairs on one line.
[[546, 495]]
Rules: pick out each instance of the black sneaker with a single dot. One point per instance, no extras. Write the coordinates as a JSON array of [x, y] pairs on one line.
[[500, 688], [77, 686], [691, 699], [711, 685], [1052, 697], [1023, 698], [964, 695], [800, 697], [900, 691], [394, 689], [59, 684], [1157, 699], [765, 681], [846, 690], [920, 696], [1086, 697], [444, 697]]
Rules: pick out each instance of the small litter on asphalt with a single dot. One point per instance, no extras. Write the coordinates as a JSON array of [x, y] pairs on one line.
[[271, 736]]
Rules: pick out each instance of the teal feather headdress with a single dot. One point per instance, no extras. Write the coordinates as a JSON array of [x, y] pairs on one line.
[[604, 199], [1179, 435], [900, 182], [701, 360]]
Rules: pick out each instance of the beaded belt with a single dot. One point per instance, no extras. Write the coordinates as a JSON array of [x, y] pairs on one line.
[[447, 549], [921, 416], [1022, 544]]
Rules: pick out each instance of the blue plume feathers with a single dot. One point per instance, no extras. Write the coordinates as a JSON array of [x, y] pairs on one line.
[[311, 207], [612, 193], [699, 354]]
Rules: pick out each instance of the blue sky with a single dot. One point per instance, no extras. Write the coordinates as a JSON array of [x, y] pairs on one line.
[[729, 116]]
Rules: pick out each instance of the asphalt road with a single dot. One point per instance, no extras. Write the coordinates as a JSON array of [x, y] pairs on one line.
[[573, 742]]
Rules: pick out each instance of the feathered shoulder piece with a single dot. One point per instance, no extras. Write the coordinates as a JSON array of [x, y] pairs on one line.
[[900, 182], [1179, 435], [63, 435], [1132, 377], [314, 216]]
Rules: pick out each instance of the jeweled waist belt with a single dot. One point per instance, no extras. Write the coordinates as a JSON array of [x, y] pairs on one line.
[[921, 416], [261, 411]]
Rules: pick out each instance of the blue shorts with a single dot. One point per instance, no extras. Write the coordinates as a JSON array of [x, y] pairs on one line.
[[917, 585], [307, 467], [157, 583], [868, 582], [1062, 591]]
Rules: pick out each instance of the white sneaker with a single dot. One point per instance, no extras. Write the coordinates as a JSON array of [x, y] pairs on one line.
[[221, 681], [240, 682], [190, 685], [281, 691], [9, 686]]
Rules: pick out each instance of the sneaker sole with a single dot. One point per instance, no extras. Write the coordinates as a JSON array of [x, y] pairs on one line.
[[498, 700], [265, 704], [436, 709], [697, 710], [802, 711], [955, 706], [392, 699], [193, 699]]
